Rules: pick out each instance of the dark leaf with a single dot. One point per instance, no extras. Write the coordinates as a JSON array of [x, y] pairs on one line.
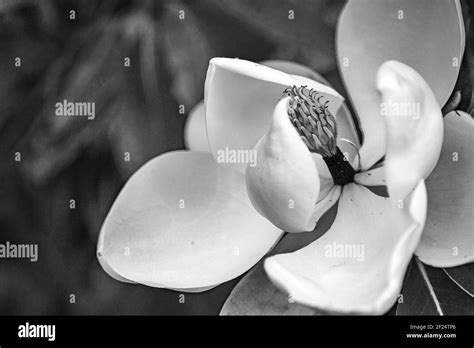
[[463, 86], [429, 291], [255, 294], [463, 276]]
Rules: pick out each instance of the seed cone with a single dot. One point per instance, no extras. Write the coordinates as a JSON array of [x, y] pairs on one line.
[[312, 119]]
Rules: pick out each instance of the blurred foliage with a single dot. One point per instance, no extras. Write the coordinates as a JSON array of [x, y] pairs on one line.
[[137, 111]]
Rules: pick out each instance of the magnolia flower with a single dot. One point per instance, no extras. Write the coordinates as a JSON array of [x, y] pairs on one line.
[[191, 220]]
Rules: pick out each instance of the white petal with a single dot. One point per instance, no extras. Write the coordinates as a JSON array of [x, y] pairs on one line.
[[448, 238], [105, 265], [373, 177], [183, 222], [414, 127], [359, 264], [284, 184], [195, 135], [427, 35], [240, 97]]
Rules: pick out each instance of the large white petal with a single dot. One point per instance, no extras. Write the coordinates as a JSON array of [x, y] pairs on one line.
[[240, 97], [427, 35], [195, 134], [284, 184], [183, 222], [414, 127], [448, 238], [359, 264]]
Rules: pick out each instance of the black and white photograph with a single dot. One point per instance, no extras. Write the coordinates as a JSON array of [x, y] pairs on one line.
[[214, 163]]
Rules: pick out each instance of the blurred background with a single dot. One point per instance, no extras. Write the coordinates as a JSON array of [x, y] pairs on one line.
[[137, 111]]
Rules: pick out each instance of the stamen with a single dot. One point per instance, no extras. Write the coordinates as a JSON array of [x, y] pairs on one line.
[[313, 119]]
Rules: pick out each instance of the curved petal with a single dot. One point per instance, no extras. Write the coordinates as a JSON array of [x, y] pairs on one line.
[[240, 97], [427, 35], [105, 265], [183, 222], [414, 127], [284, 184], [359, 264], [448, 239], [195, 134], [326, 202]]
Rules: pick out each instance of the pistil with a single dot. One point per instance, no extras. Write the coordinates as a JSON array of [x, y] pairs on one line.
[[317, 128]]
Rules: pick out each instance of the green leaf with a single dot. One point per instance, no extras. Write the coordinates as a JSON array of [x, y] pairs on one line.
[[429, 291]]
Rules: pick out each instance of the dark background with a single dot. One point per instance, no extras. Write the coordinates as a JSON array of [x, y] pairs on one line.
[[82, 59]]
